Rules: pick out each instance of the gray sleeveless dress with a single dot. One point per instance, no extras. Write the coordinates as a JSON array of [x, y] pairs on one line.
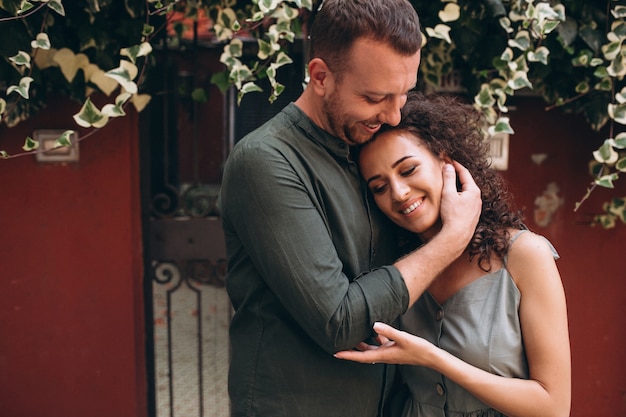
[[479, 324]]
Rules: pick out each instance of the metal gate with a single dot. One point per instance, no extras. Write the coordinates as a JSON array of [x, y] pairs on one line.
[[188, 312], [184, 143]]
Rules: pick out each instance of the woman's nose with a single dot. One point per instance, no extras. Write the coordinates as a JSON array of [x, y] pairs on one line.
[[399, 191]]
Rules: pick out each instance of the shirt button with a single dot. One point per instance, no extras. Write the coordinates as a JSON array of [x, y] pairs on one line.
[[440, 390], [439, 315]]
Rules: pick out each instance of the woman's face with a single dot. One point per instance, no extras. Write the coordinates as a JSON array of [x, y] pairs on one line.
[[406, 180]]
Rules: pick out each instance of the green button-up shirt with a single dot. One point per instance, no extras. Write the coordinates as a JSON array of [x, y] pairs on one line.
[[302, 240]]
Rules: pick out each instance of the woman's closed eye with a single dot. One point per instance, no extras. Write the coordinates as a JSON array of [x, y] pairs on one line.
[[407, 172], [378, 189]]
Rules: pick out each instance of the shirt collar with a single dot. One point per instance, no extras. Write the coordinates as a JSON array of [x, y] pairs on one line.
[[334, 145]]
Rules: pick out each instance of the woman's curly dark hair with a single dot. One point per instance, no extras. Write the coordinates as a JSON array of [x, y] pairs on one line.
[[453, 129]]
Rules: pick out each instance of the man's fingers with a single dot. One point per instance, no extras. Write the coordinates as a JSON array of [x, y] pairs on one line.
[[465, 177]]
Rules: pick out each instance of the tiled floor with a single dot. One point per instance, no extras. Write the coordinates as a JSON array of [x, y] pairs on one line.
[[191, 347]]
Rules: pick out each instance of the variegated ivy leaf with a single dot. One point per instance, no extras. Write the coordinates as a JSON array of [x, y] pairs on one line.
[[282, 59], [440, 31], [4, 155], [89, 116], [521, 41], [606, 221], [265, 49], [507, 55], [619, 141], [618, 31], [117, 109], [519, 80], [620, 165], [484, 98], [140, 101], [240, 74], [619, 12], [540, 55], [24, 7], [21, 89], [70, 63], [124, 75], [611, 50], [30, 144], [506, 24], [617, 68], [21, 59], [136, 51], [582, 87], [247, 88], [3, 105], [57, 6], [502, 126], [605, 154], [266, 6], [583, 59], [41, 41], [617, 112], [606, 181], [232, 49], [285, 13], [450, 13], [307, 4], [65, 139], [228, 19]]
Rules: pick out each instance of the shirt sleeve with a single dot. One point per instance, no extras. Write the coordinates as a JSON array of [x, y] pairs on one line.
[[283, 231]]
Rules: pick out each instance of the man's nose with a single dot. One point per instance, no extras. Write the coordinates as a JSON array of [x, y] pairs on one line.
[[391, 112]]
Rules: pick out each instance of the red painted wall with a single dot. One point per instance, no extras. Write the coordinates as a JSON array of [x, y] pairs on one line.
[[592, 259], [71, 321]]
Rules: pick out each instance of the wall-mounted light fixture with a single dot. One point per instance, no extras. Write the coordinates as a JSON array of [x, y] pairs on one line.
[[499, 151], [48, 152]]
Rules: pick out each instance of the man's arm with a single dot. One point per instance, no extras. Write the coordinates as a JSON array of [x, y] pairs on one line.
[[281, 227], [460, 212]]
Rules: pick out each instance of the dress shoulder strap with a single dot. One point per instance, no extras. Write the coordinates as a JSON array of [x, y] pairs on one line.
[[518, 234], [513, 239]]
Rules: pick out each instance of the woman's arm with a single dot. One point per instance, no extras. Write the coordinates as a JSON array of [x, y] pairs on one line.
[[544, 324]]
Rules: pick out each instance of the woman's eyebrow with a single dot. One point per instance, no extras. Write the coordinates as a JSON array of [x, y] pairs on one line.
[[395, 164]]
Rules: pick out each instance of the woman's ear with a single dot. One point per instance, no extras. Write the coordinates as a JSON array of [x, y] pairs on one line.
[[319, 76], [445, 158]]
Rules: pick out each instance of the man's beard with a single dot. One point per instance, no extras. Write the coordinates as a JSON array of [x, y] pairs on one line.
[[333, 108]]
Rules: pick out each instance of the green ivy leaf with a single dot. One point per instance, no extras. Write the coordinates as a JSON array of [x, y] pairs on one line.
[[199, 95]]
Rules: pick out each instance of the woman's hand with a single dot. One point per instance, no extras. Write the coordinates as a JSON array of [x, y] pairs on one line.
[[396, 347]]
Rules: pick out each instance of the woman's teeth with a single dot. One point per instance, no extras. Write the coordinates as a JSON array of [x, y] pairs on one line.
[[412, 207]]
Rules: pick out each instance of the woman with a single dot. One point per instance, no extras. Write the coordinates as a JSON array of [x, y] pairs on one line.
[[490, 335]]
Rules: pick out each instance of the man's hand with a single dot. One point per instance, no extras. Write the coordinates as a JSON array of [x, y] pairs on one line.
[[460, 210]]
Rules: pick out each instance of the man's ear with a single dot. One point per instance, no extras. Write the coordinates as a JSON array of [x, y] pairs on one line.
[[319, 76]]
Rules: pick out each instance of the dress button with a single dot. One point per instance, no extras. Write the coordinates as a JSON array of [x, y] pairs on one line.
[[439, 314], [440, 390]]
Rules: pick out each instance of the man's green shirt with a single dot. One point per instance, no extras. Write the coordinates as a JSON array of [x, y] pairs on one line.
[[305, 253]]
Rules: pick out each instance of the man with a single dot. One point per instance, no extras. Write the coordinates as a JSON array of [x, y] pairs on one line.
[[305, 245]]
